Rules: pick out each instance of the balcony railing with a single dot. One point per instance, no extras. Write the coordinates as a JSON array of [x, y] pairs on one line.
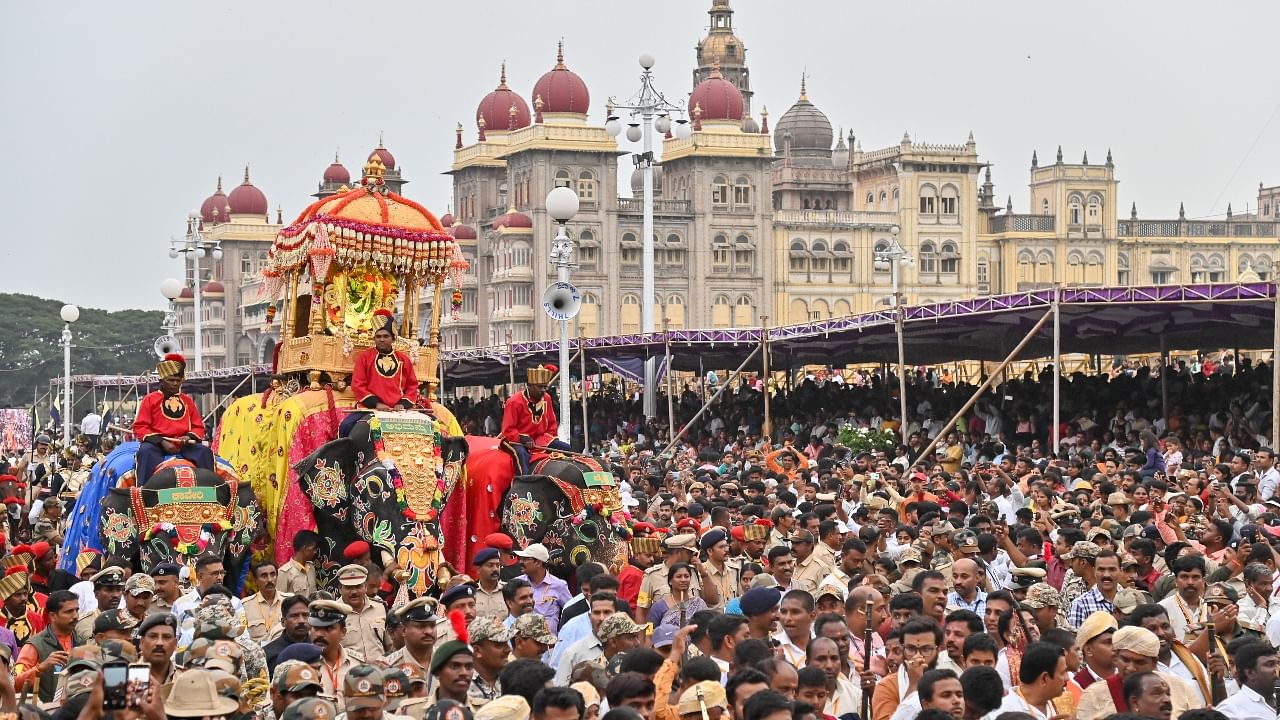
[[1022, 223], [1197, 228], [836, 218], [635, 206]]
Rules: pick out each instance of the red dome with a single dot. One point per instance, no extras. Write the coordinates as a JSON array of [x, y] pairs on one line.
[[561, 90], [447, 220], [718, 98], [512, 219], [247, 199], [187, 293], [383, 154], [214, 208], [213, 286], [495, 108], [462, 232], [337, 173]]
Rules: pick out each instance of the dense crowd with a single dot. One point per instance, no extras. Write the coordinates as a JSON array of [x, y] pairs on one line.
[[822, 570]]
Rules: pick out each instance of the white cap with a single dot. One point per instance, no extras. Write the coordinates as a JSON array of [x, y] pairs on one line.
[[536, 551]]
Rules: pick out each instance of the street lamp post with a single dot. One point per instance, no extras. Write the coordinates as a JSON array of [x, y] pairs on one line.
[[69, 314], [194, 245], [650, 111], [894, 257], [561, 302]]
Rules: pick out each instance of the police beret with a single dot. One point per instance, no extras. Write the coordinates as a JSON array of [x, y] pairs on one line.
[[759, 600], [456, 593], [165, 570], [711, 538], [157, 619], [485, 555], [302, 652], [500, 541]]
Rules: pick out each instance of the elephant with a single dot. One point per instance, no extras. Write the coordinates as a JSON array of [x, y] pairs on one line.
[[84, 526], [385, 483], [569, 503], [181, 513], [571, 507]]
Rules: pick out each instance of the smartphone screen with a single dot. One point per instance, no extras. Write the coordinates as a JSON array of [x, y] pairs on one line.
[[140, 676], [114, 685]]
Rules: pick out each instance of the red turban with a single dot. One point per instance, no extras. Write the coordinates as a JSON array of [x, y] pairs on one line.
[[355, 550]]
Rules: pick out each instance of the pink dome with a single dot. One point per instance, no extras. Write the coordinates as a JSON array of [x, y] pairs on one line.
[[214, 208], [187, 293], [561, 90], [383, 154], [447, 220], [213, 287], [463, 232], [512, 219], [495, 108], [717, 98], [336, 173], [247, 199]]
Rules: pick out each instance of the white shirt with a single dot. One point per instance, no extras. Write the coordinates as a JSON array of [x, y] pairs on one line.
[[908, 709], [793, 653], [588, 648], [91, 424], [1246, 705], [1180, 669], [1267, 483], [1013, 702]]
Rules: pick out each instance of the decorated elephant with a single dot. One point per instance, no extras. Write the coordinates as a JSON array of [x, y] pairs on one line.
[[84, 526], [184, 512], [385, 483], [569, 503]]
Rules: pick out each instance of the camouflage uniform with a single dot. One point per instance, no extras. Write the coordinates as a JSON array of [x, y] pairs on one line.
[[480, 691], [1042, 595], [215, 620]]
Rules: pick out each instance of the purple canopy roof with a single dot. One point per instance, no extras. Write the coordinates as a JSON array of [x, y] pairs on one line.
[[1094, 320]]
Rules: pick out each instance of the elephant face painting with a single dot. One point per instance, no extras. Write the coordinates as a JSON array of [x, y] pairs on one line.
[[571, 507]]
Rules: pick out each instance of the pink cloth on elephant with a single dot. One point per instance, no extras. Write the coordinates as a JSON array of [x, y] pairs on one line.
[[474, 513], [296, 513]]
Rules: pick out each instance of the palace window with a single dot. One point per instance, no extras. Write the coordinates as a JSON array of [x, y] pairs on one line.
[[563, 178], [742, 192], [843, 260], [720, 191], [799, 256], [820, 256], [928, 200], [950, 260], [928, 257], [587, 186], [743, 254]]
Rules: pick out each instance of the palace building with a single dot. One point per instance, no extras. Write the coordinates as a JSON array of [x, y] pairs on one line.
[[750, 222]]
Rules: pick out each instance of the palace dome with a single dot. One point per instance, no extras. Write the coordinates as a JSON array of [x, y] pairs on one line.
[[462, 232], [512, 219], [495, 108], [561, 90], [808, 127], [214, 209], [247, 199], [337, 173], [446, 220], [718, 98], [213, 287]]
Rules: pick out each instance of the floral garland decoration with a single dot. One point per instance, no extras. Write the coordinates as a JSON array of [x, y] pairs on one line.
[[619, 521], [397, 480], [203, 540]]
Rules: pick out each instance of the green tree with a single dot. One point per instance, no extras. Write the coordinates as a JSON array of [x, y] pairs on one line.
[[104, 343]]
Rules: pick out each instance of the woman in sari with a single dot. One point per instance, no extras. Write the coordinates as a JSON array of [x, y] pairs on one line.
[[680, 602]]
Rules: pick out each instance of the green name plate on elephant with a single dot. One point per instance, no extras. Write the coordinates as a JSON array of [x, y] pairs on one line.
[[406, 426], [598, 479], [196, 494]]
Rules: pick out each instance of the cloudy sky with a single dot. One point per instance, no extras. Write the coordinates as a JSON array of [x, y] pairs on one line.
[[118, 117]]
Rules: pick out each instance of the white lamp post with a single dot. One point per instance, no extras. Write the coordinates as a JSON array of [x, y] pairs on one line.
[[562, 205], [652, 111], [193, 245], [69, 314], [892, 258]]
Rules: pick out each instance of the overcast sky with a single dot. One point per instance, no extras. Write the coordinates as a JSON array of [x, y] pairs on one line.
[[119, 116]]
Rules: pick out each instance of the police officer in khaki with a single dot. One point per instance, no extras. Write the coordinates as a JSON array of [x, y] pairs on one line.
[[367, 621], [420, 625], [680, 549], [722, 570], [108, 587]]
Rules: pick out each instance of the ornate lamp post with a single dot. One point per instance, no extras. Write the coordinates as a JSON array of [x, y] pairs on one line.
[[561, 299], [892, 259], [650, 111], [69, 314], [194, 246]]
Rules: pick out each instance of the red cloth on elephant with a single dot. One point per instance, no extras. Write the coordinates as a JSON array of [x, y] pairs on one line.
[[472, 514], [521, 416], [296, 512], [172, 417], [389, 377]]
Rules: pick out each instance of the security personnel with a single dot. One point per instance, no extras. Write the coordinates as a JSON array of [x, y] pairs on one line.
[[722, 570], [421, 624], [168, 587], [328, 622], [489, 601], [108, 587], [459, 597], [367, 621], [680, 549]]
